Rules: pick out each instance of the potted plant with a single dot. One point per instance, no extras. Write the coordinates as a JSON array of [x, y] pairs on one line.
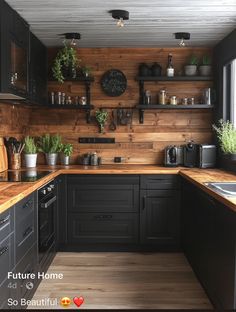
[[49, 145], [65, 64], [86, 71], [30, 152], [191, 68], [205, 69], [66, 151], [101, 116], [226, 135]]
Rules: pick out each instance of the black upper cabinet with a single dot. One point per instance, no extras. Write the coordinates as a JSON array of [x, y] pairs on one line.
[[37, 71], [14, 53]]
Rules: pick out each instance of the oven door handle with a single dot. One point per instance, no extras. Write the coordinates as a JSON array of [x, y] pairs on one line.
[[48, 203]]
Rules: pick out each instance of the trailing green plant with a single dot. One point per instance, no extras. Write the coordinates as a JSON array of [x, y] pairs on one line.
[[206, 60], [86, 70], [193, 60], [101, 116], [66, 57], [49, 144], [30, 145], [66, 149], [226, 135]]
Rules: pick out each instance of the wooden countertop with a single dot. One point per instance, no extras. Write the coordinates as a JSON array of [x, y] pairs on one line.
[[13, 192]]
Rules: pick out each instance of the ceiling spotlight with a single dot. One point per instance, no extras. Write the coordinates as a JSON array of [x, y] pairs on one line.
[[120, 16], [182, 36], [72, 38]]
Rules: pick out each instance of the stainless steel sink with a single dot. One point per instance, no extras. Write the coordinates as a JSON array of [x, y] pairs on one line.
[[224, 188]]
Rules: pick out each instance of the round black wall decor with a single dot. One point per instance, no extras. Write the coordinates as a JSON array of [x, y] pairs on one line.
[[114, 82]]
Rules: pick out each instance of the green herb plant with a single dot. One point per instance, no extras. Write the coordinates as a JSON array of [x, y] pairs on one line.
[[206, 60], [226, 135], [66, 57], [66, 149], [30, 145], [193, 60], [101, 116], [49, 144]]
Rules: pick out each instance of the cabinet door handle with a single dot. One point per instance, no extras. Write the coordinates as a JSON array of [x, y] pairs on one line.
[[3, 221], [144, 202], [27, 231], [3, 250], [27, 204], [102, 217]]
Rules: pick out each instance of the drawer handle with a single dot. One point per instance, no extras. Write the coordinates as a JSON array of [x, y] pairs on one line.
[[3, 221], [27, 231], [3, 250], [144, 203], [102, 217]]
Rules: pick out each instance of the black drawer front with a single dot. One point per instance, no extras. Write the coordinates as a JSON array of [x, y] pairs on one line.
[[5, 292], [6, 223], [104, 179], [103, 228], [28, 264], [24, 208], [6, 257], [25, 237], [159, 182], [103, 197]]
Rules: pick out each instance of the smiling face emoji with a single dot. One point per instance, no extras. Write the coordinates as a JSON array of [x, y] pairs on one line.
[[65, 302]]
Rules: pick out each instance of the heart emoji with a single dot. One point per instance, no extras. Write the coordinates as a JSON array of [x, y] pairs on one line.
[[78, 301]]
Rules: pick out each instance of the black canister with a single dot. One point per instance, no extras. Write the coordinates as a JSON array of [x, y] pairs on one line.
[[156, 69], [144, 70]]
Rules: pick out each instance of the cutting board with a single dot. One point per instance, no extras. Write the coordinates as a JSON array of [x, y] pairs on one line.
[[3, 156]]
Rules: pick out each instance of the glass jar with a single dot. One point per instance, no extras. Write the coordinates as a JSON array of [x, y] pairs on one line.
[[185, 101], [173, 100], [162, 97]]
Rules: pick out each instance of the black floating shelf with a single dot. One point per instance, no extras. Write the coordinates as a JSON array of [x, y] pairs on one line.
[[142, 108], [176, 78], [167, 106], [69, 106], [78, 79]]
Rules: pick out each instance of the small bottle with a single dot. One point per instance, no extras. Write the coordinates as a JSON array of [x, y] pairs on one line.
[[52, 98], [162, 97], [69, 101], [192, 101], [173, 100], [63, 99], [59, 98], [170, 69]]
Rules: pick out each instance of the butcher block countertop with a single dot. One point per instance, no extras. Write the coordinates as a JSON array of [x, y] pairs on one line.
[[13, 192]]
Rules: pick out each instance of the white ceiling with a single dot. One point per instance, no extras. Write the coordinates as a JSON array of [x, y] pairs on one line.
[[152, 22]]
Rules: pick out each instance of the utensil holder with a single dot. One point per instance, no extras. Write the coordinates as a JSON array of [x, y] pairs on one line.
[[15, 161]]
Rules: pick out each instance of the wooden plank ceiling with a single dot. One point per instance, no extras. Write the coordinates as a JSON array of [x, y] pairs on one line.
[[152, 23]]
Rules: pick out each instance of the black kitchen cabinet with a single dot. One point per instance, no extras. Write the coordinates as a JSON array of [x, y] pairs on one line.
[[14, 53], [7, 258], [38, 71], [103, 209], [160, 211], [209, 242]]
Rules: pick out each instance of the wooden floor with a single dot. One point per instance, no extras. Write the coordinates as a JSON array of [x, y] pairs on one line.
[[125, 281]]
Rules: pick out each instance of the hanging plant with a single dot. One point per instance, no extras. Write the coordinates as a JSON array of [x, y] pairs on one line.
[[101, 116], [65, 63]]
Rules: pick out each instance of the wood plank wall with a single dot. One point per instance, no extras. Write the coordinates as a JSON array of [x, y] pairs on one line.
[[14, 120], [137, 143]]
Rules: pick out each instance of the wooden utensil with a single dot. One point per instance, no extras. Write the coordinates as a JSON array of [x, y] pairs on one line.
[[3, 156]]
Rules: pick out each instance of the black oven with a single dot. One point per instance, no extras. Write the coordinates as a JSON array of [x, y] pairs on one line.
[[46, 219]]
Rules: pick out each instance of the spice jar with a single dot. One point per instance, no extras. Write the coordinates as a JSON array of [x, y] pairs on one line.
[[173, 100], [162, 97], [185, 101]]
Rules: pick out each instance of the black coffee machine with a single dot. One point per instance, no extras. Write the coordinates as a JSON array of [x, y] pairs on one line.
[[171, 156], [191, 154]]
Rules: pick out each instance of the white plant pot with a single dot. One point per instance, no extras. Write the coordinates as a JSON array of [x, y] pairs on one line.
[[30, 160], [205, 70], [51, 159], [190, 70], [65, 160]]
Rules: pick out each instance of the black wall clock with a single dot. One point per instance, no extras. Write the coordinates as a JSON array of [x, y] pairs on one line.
[[114, 82]]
